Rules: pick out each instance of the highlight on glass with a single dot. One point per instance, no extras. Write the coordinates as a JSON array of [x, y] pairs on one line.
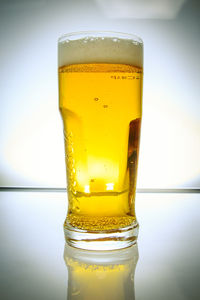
[[100, 100]]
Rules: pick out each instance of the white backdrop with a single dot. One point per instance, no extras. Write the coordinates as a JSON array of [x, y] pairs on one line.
[[31, 138]]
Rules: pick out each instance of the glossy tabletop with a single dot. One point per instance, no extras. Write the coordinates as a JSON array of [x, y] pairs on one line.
[[36, 264]]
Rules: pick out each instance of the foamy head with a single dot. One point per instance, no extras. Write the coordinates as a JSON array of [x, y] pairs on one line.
[[123, 49]]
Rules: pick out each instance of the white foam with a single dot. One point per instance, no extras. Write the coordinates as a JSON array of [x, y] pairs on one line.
[[100, 50]]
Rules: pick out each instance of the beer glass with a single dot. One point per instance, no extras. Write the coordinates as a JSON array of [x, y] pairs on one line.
[[100, 100]]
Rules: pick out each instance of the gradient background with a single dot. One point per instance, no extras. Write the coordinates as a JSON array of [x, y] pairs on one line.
[[31, 137]]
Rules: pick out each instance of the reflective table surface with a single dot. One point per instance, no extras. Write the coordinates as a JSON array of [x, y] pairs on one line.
[[35, 263]]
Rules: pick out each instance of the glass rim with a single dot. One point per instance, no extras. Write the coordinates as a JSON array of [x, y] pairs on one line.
[[95, 33]]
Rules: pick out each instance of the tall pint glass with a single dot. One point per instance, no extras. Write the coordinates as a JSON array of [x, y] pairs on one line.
[[100, 100]]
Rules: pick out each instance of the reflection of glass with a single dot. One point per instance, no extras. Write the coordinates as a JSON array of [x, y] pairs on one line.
[[101, 275], [100, 100]]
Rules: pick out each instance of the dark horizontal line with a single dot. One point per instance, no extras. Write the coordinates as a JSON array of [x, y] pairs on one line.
[[180, 190], [31, 189], [145, 190]]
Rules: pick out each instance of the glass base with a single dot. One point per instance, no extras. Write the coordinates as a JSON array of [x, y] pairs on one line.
[[101, 240]]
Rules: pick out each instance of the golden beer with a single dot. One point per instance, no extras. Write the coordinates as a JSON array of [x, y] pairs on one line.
[[100, 104]]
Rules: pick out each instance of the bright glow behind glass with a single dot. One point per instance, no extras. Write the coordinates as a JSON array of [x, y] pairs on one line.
[[87, 189], [109, 186], [174, 136]]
